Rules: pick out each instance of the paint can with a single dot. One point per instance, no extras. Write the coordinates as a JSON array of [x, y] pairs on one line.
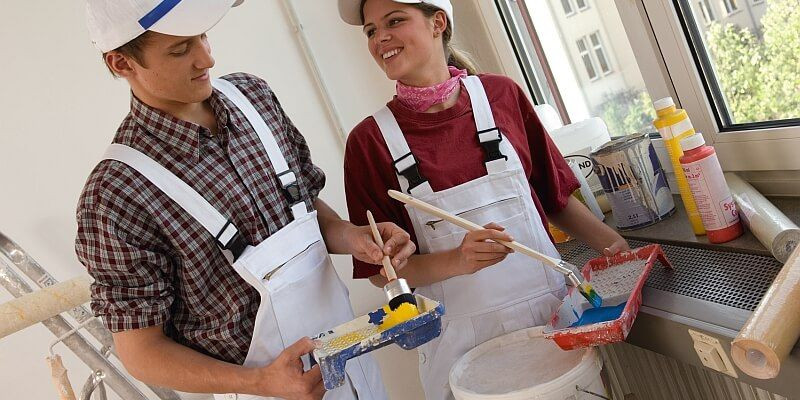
[[634, 181], [513, 367]]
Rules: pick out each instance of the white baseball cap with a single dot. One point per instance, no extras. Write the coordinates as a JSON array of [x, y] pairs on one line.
[[350, 10], [112, 23]]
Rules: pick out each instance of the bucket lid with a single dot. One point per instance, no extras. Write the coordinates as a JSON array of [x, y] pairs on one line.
[[514, 363], [620, 143]]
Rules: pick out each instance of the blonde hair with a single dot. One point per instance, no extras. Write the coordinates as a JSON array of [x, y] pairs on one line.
[[455, 57]]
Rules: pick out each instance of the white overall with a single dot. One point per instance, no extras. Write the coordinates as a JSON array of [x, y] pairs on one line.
[[301, 293], [518, 292]]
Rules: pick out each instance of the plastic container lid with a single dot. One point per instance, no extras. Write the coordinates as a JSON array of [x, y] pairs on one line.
[[661, 104], [693, 142]]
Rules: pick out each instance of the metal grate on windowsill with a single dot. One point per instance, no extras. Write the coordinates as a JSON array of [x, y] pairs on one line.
[[737, 280]]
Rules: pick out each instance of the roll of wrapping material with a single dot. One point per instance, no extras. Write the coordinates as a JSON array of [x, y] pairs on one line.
[[584, 192], [40, 305], [772, 228], [769, 335], [60, 378]]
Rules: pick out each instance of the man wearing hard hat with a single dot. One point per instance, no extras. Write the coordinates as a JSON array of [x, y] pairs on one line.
[[202, 227]]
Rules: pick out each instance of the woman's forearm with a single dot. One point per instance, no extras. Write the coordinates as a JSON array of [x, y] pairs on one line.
[[426, 269], [579, 222]]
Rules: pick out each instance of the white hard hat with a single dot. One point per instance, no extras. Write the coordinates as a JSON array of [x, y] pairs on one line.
[[112, 23], [350, 10]]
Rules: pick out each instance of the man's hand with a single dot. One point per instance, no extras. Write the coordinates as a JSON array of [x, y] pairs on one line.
[[397, 245], [284, 378]]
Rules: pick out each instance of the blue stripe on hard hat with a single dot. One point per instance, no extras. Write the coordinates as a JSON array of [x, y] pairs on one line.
[[157, 13]]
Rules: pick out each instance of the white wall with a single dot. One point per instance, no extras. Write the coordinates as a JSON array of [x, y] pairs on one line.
[[59, 108]]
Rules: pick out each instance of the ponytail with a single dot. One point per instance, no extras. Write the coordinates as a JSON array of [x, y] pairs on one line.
[[461, 59]]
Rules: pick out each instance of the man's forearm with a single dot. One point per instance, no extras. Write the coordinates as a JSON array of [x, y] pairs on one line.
[[333, 228], [158, 360]]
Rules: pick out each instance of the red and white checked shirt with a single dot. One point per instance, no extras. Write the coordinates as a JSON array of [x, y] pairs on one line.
[[152, 262]]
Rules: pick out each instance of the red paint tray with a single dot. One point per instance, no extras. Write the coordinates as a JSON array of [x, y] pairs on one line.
[[619, 280]]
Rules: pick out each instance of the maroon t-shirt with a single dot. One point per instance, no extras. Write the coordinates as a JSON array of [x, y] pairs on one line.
[[446, 147]]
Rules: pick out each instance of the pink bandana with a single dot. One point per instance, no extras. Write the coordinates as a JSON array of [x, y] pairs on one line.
[[421, 99]]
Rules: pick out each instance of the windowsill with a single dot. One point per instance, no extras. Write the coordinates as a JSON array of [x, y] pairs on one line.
[[677, 230]]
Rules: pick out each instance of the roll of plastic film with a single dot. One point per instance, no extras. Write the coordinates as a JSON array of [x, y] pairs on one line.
[[769, 225]]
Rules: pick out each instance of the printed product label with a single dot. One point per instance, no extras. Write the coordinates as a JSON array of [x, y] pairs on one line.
[[677, 130], [711, 194]]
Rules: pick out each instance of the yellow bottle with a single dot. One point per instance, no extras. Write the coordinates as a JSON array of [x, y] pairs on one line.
[[673, 124], [558, 235]]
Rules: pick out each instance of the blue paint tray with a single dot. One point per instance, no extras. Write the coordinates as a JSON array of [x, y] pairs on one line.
[[361, 336]]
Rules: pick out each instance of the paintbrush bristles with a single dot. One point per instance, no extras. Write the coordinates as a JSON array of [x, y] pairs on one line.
[[590, 294]]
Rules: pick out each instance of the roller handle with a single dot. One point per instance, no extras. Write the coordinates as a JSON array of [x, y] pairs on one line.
[[387, 264], [471, 226]]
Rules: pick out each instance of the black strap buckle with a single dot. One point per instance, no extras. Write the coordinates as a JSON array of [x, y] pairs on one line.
[[412, 174], [492, 147], [291, 190], [236, 245]]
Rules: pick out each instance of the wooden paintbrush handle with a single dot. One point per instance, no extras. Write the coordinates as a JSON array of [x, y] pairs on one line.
[[387, 263], [471, 226]]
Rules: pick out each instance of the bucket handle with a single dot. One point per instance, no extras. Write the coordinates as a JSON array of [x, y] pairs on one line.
[[580, 389]]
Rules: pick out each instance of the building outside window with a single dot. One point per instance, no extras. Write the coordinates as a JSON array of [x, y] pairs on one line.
[[706, 11], [600, 53], [588, 62]]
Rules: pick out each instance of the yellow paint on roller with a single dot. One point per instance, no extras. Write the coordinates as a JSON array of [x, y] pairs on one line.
[[403, 313]]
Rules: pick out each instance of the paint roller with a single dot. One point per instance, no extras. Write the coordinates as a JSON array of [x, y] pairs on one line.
[[32, 308], [567, 269], [767, 338], [397, 290]]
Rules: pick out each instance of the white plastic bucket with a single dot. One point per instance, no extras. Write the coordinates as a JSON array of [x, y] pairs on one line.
[[525, 365]]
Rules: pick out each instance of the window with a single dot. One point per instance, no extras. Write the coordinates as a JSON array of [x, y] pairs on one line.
[[567, 6], [730, 6], [597, 46], [582, 4], [588, 63], [731, 76], [706, 11], [744, 62], [571, 64]]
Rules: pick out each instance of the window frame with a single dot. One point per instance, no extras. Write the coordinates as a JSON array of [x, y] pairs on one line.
[[759, 146], [572, 8], [707, 10], [587, 53], [601, 47], [668, 66], [585, 5], [730, 7]]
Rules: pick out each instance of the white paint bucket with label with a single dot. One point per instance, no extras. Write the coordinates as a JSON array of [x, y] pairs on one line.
[[525, 365]]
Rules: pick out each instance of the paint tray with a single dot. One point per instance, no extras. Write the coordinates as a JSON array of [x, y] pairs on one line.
[[619, 281], [361, 336]]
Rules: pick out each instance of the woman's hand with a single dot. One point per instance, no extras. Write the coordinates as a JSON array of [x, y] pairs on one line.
[[477, 251], [615, 247]]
